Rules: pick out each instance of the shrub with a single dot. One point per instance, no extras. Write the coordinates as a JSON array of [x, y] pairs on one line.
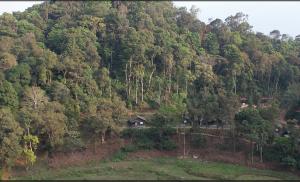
[[153, 104], [289, 161], [145, 143], [150, 138], [283, 151], [119, 156], [129, 148], [198, 141], [72, 144], [167, 145], [270, 154]]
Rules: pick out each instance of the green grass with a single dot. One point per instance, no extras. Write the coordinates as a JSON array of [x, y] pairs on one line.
[[158, 168]]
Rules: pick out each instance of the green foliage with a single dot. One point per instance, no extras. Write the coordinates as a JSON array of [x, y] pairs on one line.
[[198, 141], [8, 95], [270, 113], [72, 143], [289, 162], [29, 156], [175, 109], [129, 148], [211, 44], [119, 156], [19, 76], [68, 68], [282, 146], [10, 137], [33, 140], [151, 138]]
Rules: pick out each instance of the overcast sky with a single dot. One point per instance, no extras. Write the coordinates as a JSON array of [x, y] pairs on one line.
[[263, 16]]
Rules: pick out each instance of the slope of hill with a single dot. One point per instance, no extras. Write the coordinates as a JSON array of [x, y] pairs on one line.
[[70, 71]]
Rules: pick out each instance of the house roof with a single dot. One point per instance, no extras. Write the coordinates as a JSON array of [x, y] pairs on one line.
[[243, 98], [140, 118]]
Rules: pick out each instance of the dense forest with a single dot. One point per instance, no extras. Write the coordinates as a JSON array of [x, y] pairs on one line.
[[70, 72]]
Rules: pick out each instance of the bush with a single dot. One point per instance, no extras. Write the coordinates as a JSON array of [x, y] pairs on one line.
[[72, 144], [289, 162], [270, 154], [167, 145], [129, 148], [298, 161], [145, 143], [150, 138], [198, 141], [119, 156], [283, 151], [153, 104]]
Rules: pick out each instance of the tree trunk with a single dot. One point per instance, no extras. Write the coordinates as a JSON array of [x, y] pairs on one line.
[[261, 149], [276, 85], [251, 152], [65, 80], [94, 145], [136, 90], [110, 88], [102, 138], [186, 85], [233, 138], [177, 85], [261, 154], [269, 78], [150, 78], [142, 89], [126, 80], [234, 83], [170, 83], [34, 98], [47, 11], [159, 92], [111, 61], [30, 144], [129, 79]]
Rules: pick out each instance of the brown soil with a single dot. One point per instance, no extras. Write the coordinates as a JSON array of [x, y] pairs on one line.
[[241, 158], [148, 154], [4, 174], [209, 153], [282, 120], [80, 157]]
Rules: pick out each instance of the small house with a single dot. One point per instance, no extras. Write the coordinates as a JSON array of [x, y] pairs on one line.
[[136, 121], [243, 99]]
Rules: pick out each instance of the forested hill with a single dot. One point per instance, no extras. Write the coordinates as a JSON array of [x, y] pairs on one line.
[[62, 63]]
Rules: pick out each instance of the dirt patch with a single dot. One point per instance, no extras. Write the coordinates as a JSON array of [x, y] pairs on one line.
[[147, 154], [240, 158], [80, 157], [208, 153]]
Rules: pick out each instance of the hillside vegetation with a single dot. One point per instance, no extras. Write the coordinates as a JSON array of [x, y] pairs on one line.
[[71, 71]]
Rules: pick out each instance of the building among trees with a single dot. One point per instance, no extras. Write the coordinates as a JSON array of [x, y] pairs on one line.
[[137, 121]]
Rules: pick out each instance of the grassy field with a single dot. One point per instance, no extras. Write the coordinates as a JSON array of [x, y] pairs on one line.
[[158, 168]]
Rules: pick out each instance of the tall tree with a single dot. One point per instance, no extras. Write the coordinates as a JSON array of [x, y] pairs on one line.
[[10, 138]]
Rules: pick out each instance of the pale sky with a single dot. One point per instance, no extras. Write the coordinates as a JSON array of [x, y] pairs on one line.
[[263, 16]]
